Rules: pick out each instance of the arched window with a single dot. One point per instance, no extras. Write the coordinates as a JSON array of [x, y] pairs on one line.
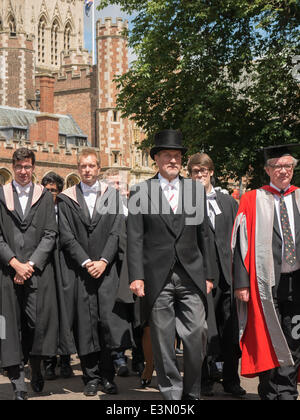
[[72, 180], [54, 43], [5, 176], [12, 26], [41, 40], [67, 37]]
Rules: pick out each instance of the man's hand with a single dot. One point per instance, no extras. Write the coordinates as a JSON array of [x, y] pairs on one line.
[[209, 286], [23, 271], [18, 280], [138, 288], [96, 268], [243, 294]]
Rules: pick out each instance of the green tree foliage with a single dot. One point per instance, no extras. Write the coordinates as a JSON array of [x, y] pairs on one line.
[[222, 71]]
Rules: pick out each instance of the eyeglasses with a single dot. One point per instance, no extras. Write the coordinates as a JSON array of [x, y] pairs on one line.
[[19, 168], [202, 171], [52, 190], [287, 167]]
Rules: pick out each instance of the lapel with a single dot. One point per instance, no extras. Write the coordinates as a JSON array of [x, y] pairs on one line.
[[162, 207], [159, 203], [220, 219], [83, 210], [102, 198], [17, 206]]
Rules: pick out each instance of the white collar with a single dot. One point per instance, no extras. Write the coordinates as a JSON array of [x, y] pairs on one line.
[[212, 194], [277, 189], [165, 182], [20, 189], [94, 188]]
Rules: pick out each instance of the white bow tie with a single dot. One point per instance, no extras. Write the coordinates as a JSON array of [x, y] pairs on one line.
[[92, 189], [23, 190]]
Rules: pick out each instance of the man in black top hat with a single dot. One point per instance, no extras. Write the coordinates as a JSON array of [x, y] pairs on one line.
[[171, 266], [266, 239]]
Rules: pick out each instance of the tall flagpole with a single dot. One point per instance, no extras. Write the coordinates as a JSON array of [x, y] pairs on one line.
[[93, 31]]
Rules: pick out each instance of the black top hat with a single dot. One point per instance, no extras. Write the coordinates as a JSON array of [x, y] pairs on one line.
[[168, 140], [275, 152]]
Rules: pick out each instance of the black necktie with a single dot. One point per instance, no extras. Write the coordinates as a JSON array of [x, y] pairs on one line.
[[289, 246]]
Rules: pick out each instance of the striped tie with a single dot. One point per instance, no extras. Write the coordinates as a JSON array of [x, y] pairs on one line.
[[172, 197]]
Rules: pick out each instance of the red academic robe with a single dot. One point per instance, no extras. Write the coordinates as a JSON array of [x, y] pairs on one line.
[[258, 352]]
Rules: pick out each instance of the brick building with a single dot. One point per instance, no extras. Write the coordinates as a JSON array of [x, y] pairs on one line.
[[53, 100]]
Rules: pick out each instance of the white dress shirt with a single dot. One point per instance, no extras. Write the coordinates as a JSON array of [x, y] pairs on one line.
[[212, 206], [90, 195], [171, 191], [23, 194], [286, 268]]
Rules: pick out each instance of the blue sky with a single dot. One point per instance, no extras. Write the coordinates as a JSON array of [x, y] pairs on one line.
[[111, 11]]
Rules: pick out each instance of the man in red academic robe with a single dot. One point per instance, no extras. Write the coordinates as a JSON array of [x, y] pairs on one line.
[[266, 249]]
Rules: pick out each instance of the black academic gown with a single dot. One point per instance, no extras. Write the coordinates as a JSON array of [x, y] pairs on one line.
[[30, 310], [222, 294], [90, 302]]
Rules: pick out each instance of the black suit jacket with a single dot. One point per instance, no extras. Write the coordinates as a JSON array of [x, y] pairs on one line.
[[157, 241], [222, 235]]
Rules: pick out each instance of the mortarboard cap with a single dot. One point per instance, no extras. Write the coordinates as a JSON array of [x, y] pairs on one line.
[[275, 152]]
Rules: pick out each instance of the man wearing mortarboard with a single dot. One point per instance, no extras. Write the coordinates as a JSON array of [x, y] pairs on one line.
[[266, 257]]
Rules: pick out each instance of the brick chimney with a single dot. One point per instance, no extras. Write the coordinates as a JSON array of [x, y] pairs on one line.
[[48, 123]]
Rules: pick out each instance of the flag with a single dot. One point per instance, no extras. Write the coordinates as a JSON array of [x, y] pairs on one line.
[[88, 5]]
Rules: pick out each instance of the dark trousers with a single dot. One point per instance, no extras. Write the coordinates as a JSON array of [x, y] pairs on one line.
[[27, 309], [179, 307], [227, 330], [281, 383], [227, 325], [98, 366]]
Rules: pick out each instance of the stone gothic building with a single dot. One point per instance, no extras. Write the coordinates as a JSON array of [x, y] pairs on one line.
[[54, 100]]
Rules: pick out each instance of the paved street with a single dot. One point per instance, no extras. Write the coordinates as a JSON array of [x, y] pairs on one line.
[[71, 389]]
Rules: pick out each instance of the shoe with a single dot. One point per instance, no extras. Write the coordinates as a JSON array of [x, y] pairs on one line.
[[123, 371], [91, 389], [109, 387], [37, 383], [234, 389], [179, 352], [145, 383], [66, 371], [21, 396], [50, 374]]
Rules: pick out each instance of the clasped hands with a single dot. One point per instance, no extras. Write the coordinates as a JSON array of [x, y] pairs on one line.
[[96, 268], [24, 271]]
